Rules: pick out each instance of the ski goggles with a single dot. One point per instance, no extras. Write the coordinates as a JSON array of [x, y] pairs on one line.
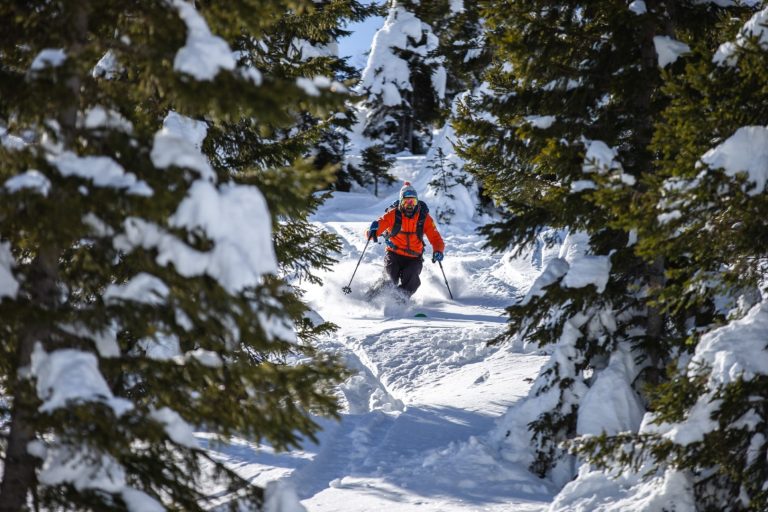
[[408, 201]]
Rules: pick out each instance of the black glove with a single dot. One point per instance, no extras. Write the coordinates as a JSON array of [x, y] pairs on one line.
[[437, 256]]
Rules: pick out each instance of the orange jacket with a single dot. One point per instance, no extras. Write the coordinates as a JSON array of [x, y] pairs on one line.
[[406, 242]]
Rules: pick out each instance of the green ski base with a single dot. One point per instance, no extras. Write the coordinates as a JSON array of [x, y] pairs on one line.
[[420, 315]]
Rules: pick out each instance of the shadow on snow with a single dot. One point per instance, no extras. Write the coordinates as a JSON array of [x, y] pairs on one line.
[[419, 450]]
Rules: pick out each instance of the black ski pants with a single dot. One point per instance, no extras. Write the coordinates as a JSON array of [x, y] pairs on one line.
[[404, 271]]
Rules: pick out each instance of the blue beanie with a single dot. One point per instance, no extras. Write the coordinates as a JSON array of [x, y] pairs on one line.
[[408, 191]]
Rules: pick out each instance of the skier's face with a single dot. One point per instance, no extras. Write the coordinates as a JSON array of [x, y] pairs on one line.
[[408, 205]]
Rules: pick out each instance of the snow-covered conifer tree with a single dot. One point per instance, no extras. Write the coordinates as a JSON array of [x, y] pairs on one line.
[[451, 187], [705, 213], [403, 83], [375, 166], [443, 172], [461, 44], [562, 140], [139, 290], [309, 41], [301, 45]]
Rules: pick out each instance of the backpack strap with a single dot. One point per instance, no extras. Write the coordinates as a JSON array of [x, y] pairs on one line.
[[420, 225], [398, 223], [423, 211]]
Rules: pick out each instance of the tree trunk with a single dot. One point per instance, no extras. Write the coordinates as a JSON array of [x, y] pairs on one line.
[[406, 125], [19, 475], [41, 288], [654, 272]]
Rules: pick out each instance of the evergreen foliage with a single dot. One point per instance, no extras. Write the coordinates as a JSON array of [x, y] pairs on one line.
[[310, 40], [331, 150], [581, 126], [375, 166], [461, 43], [708, 223], [562, 140], [446, 176], [304, 44], [403, 83], [300, 44], [104, 277]]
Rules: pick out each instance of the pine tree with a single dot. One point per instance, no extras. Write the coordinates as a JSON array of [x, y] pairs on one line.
[[564, 145], [140, 288], [302, 43], [310, 41], [331, 150], [446, 177], [461, 44], [465, 50], [375, 167], [705, 213], [444, 172], [403, 83]]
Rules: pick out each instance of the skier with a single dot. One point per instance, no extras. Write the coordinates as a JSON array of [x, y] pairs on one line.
[[403, 225]]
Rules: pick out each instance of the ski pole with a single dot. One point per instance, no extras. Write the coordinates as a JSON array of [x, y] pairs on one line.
[[347, 288], [445, 279]]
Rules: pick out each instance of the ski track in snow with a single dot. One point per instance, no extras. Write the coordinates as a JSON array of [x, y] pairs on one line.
[[414, 435]]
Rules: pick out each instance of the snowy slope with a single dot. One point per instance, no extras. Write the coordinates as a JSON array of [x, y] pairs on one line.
[[415, 435]]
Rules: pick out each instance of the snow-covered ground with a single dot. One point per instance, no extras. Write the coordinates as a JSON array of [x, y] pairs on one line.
[[428, 391]]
